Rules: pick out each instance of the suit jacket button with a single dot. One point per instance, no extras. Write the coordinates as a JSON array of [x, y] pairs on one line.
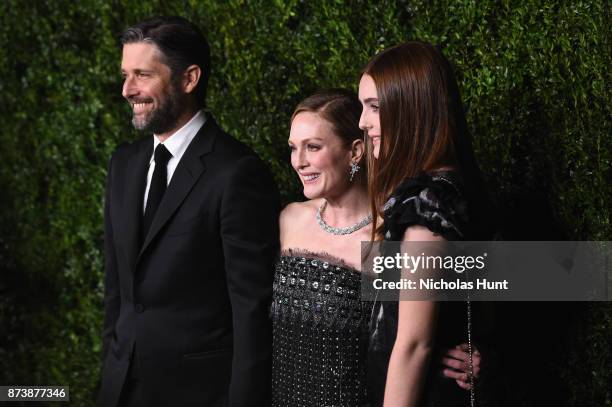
[[139, 308]]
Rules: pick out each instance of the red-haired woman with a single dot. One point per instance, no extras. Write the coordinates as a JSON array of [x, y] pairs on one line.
[[319, 321], [424, 183]]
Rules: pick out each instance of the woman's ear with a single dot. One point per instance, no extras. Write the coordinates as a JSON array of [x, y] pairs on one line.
[[357, 150]]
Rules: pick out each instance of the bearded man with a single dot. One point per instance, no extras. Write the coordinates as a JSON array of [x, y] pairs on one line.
[[190, 238]]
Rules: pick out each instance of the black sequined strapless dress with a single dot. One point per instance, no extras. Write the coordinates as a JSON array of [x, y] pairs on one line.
[[320, 333]]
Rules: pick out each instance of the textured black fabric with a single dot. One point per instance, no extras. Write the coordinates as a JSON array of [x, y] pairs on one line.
[[320, 333], [436, 202], [159, 181]]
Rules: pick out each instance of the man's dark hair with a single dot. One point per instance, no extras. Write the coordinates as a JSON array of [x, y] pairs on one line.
[[181, 44]]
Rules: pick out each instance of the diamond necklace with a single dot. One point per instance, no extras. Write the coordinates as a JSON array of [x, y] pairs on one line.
[[340, 231]]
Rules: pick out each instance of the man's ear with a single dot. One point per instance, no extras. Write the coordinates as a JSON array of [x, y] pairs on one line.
[[191, 78], [357, 150]]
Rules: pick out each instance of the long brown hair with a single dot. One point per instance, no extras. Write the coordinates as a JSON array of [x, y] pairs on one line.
[[421, 119]]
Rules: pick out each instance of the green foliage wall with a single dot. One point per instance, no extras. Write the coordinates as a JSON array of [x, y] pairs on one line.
[[534, 74]]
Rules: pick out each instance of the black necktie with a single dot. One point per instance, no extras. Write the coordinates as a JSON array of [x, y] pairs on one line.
[[159, 181]]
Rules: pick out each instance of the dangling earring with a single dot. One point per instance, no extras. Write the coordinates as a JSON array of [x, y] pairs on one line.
[[354, 168]]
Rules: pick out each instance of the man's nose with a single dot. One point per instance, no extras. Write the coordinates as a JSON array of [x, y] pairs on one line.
[[129, 88]]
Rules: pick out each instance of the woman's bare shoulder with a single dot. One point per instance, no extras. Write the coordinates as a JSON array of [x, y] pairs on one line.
[[295, 219], [297, 211]]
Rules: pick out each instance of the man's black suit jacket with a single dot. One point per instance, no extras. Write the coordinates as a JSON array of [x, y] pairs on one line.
[[193, 297]]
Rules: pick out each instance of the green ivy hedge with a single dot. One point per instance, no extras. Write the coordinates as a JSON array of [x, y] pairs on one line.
[[535, 79]]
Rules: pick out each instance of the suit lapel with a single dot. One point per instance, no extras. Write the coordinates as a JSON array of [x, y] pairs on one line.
[[187, 173], [134, 193]]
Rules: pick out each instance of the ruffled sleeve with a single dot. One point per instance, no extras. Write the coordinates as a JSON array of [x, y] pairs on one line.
[[434, 201]]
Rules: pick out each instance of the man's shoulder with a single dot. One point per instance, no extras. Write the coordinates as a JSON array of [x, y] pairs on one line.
[[128, 148], [232, 156], [225, 143], [231, 147]]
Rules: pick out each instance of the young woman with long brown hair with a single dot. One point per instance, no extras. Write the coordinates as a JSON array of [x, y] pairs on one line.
[[424, 183]]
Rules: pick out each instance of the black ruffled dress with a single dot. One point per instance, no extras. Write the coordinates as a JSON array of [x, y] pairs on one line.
[[434, 201]]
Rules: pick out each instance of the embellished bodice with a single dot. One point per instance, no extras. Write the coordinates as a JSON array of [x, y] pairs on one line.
[[320, 333]]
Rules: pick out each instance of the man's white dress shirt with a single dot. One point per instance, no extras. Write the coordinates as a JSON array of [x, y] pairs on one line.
[[177, 145]]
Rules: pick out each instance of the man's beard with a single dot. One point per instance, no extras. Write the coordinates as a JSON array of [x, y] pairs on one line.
[[162, 119]]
